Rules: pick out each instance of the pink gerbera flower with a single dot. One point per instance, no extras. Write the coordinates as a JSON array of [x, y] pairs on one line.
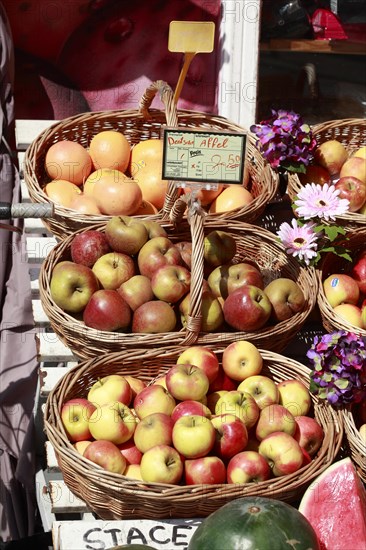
[[320, 201], [299, 241]]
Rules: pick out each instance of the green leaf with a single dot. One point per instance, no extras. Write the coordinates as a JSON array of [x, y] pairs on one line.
[[290, 167], [332, 231], [341, 383]]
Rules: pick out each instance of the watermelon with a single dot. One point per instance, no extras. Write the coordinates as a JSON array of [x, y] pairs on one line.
[[255, 523], [335, 505]]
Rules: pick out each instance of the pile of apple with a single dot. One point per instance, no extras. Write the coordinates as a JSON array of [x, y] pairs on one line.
[[346, 292], [203, 421], [334, 165], [132, 277]]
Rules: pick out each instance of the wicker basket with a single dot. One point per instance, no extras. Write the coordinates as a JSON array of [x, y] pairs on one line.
[[137, 125], [113, 496], [356, 445], [352, 134], [356, 241], [253, 243]]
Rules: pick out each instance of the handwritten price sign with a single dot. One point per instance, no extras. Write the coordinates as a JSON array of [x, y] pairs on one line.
[[203, 157]]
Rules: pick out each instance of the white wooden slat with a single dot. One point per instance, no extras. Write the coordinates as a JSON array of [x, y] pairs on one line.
[[167, 534], [39, 247], [52, 464], [51, 349], [34, 281], [35, 225], [27, 130], [50, 376], [63, 501], [44, 502], [39, 315]]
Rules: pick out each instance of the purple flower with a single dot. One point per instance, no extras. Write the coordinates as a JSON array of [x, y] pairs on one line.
[[338, 362]]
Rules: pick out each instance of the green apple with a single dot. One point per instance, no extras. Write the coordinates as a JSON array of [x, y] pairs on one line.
[[113, 269], [286, 297], [125, 234], [110, 388], [113, 422], [211, 311], [72, 286], [262, 388], [295, 396], [161, 464], [193, 436], [241, 359], [219, 247], [154, 229]]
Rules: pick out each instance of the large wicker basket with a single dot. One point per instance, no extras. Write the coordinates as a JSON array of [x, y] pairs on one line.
[[356, 445], [355, 242], [253, 244], [352, 134], [113, 496], [137, 125]]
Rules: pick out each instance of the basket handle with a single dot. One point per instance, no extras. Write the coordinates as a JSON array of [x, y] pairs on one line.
[[195, 217], [167, 97]]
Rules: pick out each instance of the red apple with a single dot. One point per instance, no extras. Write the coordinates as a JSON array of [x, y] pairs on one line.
[[190, 407], [185, 249], [170, 283], [202, 357], [185, 381], [113, 422], [156, 253], [136, 291], [352, 189], [87, 247], [358, 272], [231, 435], [309, 434], [340, 288], [274, 418], [247, 308], [354, 167], [75, 414], [315, 174], [363, 313], [130, 452], [209, 470], [212, 399], [350, 313], [282, 452], [224, 279], [107, 310], [154, 317], [246, 467], [222, 382], [107, 455]]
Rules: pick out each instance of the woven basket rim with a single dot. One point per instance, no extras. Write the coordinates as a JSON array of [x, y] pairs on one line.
[[349, 219], [275, 364], [356, 444]]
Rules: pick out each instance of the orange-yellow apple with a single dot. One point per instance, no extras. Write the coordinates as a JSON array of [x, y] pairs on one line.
[[211, 311], [133, 471], [231, 435], [107, 455], [341, 288], [294, 396], [282, 452], [75, 415], [110, 388], [362, 431], [131, 453], [113, 269], [309, 434], [188, 408], [262, 388], [157, 252], [208, 470], [360, 152], [185, 381], [161, 464], [136, 291], [212, 399], [170, 283], [247, 309], [241, 359], [136, 384], [193, 436], [161, 381], [152, 399], [350, 313], [113, 422], [154, 429], [219, 247], [224, 279], [202, 357], [274, 418], [286, 297], [154, 317], [240, 404], [331, 155], [246, 467], [355, 167], [80, 446]]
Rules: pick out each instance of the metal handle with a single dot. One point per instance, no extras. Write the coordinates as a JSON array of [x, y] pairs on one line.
[[26, 210]]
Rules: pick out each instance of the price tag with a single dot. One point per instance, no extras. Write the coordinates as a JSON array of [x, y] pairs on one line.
[[203, 157]]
